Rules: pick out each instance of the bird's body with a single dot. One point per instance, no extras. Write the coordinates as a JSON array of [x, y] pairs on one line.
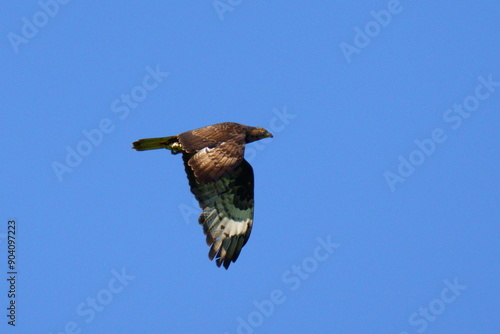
[[221, 180]]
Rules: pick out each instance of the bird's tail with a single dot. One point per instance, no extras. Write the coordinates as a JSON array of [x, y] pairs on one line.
[[155, 143]]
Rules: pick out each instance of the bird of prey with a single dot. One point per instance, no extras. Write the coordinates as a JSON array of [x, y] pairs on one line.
[[221, 180]]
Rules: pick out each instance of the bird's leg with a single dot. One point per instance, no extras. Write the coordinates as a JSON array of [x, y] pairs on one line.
[[175, 148]]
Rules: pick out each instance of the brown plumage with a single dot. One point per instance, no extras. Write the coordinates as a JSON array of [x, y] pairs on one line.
[[221, 180]]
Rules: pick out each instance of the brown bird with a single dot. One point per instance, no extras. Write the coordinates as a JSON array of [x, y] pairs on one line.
[[221, 180]]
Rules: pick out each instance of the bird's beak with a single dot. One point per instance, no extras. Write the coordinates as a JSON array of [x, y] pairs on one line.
[[269, 135]]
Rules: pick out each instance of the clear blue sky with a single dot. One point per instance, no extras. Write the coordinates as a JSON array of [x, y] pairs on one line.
[[377, 201]]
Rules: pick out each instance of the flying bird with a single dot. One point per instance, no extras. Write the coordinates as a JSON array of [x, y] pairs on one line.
[[221, 180]]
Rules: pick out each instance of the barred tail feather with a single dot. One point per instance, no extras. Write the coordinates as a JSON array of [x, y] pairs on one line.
[[154, 143]]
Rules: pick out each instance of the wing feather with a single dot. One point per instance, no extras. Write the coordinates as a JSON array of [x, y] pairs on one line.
[[212, 135], [228, 207], [209, 164]]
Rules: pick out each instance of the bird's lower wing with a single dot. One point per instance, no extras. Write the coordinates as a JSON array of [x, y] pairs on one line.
[[228, 207]]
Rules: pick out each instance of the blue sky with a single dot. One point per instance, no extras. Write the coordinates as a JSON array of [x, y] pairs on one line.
[[377, 201]]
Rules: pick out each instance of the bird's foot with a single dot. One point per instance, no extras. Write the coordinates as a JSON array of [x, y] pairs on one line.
[[175, 148]]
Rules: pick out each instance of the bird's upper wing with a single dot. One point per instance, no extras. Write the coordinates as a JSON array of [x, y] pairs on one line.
[[212, 135], [228, 207], [210, 163]]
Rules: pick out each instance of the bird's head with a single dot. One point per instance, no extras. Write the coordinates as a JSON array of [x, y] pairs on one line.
[[257, 133]]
